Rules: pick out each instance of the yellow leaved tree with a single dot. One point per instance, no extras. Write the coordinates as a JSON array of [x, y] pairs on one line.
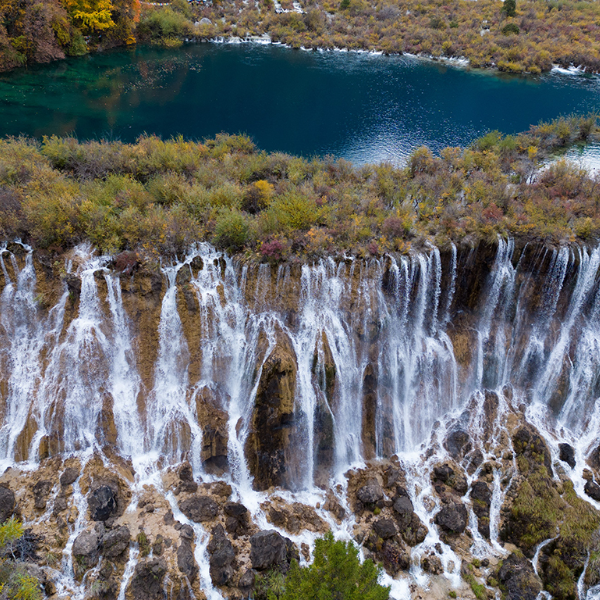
[[91, 16]]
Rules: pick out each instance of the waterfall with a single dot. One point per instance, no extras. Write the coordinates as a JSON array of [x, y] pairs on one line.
[[389, 354]]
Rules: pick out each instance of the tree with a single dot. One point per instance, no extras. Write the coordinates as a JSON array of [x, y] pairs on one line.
[[91, 16], [335, 574], [510, 8]]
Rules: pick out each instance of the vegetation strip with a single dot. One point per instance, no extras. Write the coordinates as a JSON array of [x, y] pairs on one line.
[[161, 196]]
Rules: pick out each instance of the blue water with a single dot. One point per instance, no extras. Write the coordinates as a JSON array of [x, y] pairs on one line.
[[364, 108]]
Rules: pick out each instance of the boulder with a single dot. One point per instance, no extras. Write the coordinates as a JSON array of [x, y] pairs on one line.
[[458, 443], [222, 557], [384, 528], [411, 528], [7, 503], [41, 491], [270, 550], [102, 503], [199, 508], [246, 582], [235, 510], [115, 542], [394, 558], [69, 476], [370, 493], [86, 549], [452, 518], [592, 489], [147, 580], [519, 579], [567, 454]]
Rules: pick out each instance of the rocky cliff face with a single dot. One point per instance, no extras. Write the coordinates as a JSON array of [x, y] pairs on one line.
[[180, 430]]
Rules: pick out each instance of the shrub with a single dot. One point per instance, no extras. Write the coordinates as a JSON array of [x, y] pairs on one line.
[[164, 26], [336, 572], [510, 28], [15, 582], [231, 230]]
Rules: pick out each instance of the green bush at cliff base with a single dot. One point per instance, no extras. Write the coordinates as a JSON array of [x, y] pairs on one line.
[[15, 582], [336, 572]]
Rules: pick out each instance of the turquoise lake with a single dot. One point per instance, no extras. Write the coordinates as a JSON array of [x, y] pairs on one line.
[[364, 108]]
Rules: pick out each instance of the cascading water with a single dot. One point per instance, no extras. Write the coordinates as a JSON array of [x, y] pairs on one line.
[[378, 370]]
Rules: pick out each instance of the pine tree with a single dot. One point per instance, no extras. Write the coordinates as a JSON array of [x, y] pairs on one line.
[[336, 573]]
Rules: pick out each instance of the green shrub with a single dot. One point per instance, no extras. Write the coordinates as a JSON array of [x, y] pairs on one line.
[[336, 572], [510, 28], [232, 230], [15, 582], [164, 26]]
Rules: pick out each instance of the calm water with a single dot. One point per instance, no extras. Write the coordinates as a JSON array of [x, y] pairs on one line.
[[361, 107]]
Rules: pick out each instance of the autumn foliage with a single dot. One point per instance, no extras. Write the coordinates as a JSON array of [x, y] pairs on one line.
[[161, 196], [40, 31]]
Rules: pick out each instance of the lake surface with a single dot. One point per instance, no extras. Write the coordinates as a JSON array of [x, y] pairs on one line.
[[361, 107]]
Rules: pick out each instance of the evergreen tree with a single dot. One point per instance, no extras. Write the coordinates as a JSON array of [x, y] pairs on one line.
[[510, 8], [335, 574]]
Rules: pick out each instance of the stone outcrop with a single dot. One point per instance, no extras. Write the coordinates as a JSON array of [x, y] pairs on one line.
[[199, 508], [222, 557], [273, 417], [147, 580], [270, 550], [7, 503]]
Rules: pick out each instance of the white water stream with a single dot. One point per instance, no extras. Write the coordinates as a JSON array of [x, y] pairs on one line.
[[533, 340]]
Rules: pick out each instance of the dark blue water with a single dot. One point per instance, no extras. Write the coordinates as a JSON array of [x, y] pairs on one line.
[[361, 107]]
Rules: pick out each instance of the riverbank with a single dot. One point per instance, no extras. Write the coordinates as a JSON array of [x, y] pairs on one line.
[[533, 40], [161, 196]]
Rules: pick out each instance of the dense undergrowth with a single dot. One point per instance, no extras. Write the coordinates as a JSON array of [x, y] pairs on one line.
[[541, 33], [489, 33], [161, 196]]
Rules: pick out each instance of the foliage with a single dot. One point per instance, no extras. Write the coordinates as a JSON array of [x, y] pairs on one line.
[[269, 586], [40, 31], [562, 32], [336, 572], [164, 26], [15, 582], [91, 16], [158, 196]]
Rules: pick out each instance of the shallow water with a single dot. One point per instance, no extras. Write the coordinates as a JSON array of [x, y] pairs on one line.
[[365, 108]]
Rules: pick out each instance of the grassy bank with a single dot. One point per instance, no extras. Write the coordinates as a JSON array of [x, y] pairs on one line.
[[160, 196]]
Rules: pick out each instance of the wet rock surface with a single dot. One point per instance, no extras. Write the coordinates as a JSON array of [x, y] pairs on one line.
[[486, 450], [199, 508], [270, 550]]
